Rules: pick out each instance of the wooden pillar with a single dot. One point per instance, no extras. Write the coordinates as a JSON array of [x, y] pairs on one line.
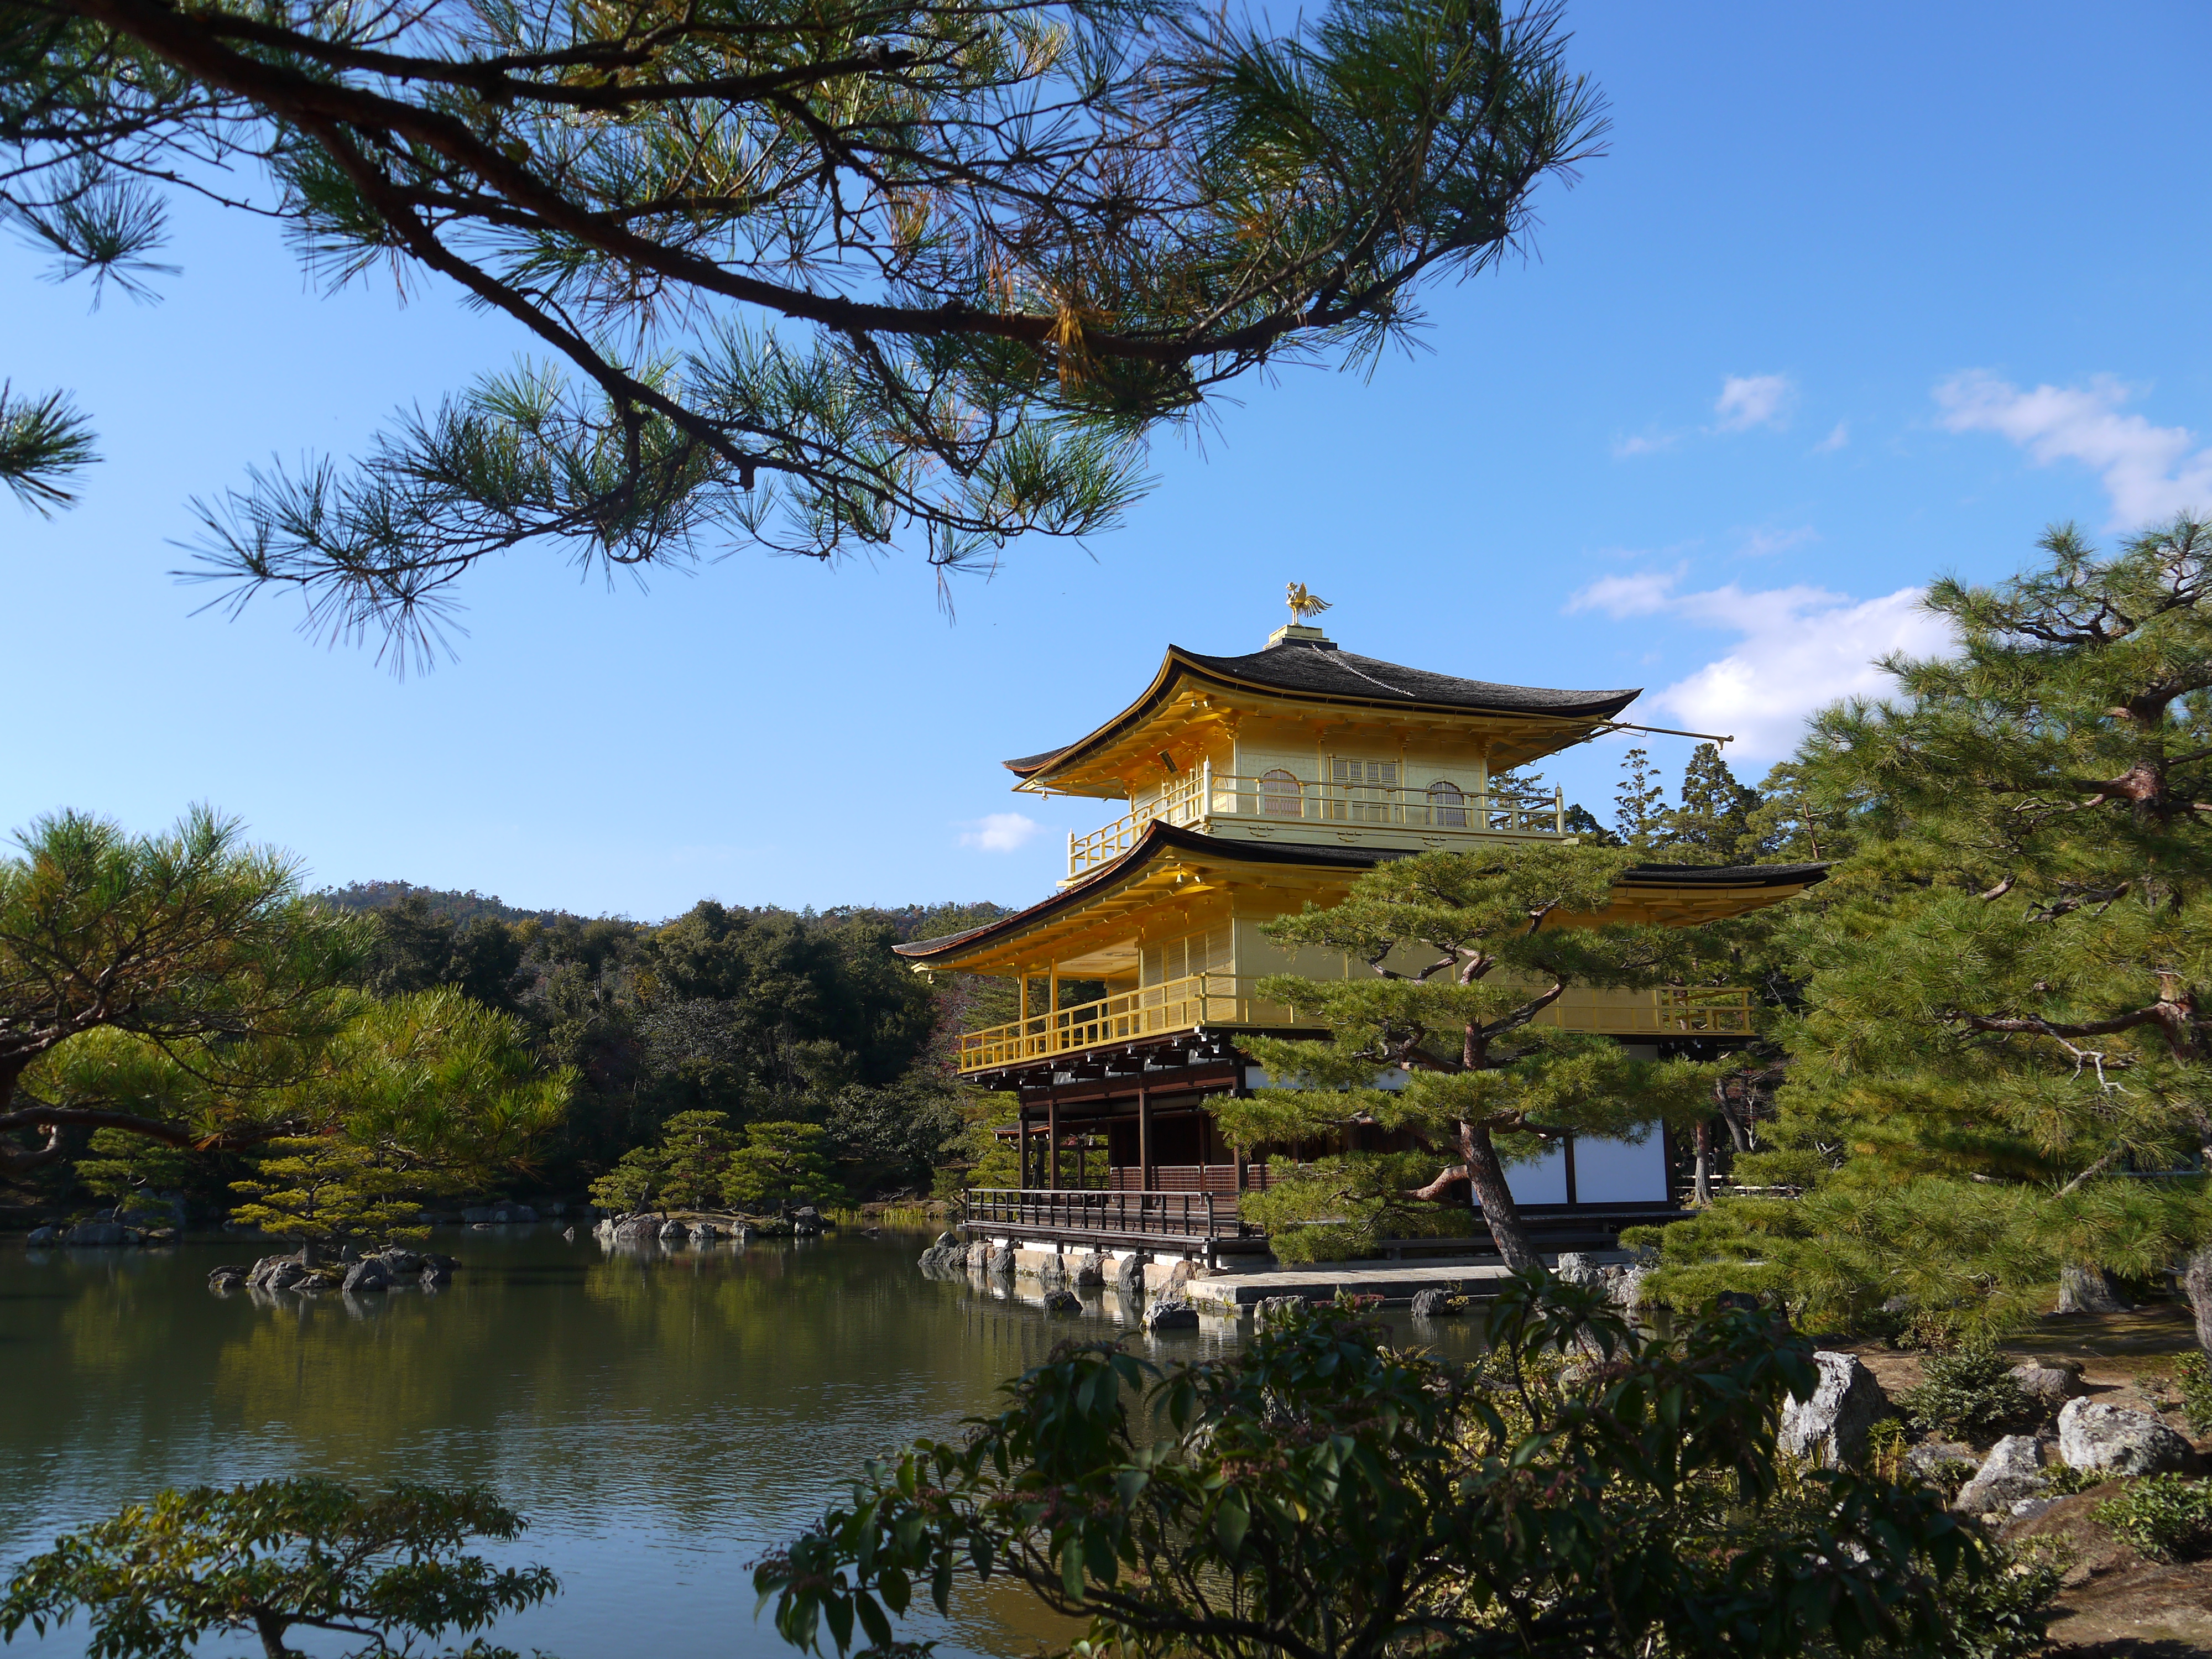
[[1083, 1161], [1022, 1143], [1052, 1144], [1145, 1140]]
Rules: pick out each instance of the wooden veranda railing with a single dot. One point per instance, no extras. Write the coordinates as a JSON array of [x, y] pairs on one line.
[[1183, 1217]]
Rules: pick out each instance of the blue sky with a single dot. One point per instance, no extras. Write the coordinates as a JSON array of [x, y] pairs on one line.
[[1861, 294]]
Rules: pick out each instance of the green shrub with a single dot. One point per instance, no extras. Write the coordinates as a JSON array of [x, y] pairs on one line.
[[1969, 1393], [2167, 1518], [2192, 1380], [2064, 1481]]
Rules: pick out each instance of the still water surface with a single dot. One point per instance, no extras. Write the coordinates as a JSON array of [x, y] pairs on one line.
[[661, 1419]]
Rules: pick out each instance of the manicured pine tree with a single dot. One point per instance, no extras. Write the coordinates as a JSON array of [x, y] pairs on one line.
[[325, 1191], [2002, 1028], [1453, 955], [782, 1166]]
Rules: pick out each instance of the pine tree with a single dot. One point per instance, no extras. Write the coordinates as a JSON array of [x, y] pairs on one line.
[[1457, 965], [1640, 803], [695, 1157], [1712, 825], [782, 1166], [325, 1191], [2004, 1022]]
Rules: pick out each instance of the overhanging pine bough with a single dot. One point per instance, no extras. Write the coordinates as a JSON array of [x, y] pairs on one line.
[[830, 270]]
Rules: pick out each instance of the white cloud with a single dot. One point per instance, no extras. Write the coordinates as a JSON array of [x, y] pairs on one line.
[[1001, 832], [2149, 472], [1835, 440], [1798, 649], [1750, 400], [1650, 443]]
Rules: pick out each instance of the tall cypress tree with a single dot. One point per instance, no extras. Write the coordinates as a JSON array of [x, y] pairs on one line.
[[1713, 823]]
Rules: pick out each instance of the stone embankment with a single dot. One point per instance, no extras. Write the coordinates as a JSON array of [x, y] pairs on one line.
[[674, 1227]]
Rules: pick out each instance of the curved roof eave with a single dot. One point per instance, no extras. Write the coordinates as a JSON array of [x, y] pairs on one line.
[[1234, 672]]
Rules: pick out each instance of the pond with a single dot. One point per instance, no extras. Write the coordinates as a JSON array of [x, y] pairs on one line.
[[661, 1418]]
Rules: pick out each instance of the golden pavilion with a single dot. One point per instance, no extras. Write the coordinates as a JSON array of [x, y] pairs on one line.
[[1252, 784]]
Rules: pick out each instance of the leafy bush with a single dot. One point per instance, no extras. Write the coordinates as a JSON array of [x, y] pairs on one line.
[[2062, 1480], [1321, 1493], [2167, 1518], [2192, 1380], [1969, 1393]]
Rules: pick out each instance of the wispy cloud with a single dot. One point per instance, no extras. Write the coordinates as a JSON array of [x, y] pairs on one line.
[[1837, 437], [1798, 648], [1644, 443], [1764, 540], [2148, 471], [1001, 832], [1750, 400]]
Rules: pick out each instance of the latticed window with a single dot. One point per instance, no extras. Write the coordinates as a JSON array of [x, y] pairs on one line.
[[1363, 789], [1280, 797], [1447, 806]]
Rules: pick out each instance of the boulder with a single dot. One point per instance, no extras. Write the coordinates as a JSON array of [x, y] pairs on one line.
[[1572, 1267], [705, 1232], [2049, 1386], [475, 1213], [669, 1231], [806, 1222], [259, 1275], [946, 1241], [1832, 1427], [979, 1255], [2013, 1471], [1437, 1305], [98, 1234], [287, 1275], [1052, 1274], [1089, 1273], [400, 1263], [2112, 1437], [2089, 1289], [438, 1270], [1129, 1274], [637, 1229], [1171, 1312], [1002, 1262], [1063, 1302], [227, 1278], [43, 1235], [1275, 1309], [520, 1212], [568, 1233], [940, 1259], [369, 1274], [1623, 1286], [1932, 1459]]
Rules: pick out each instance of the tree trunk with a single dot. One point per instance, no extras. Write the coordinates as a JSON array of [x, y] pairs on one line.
[[1704, 1191], [2087, 1290], [2197, 1284], [1499, 1212]]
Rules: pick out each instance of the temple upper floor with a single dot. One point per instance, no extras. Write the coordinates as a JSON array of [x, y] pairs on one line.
[[1304, 742]]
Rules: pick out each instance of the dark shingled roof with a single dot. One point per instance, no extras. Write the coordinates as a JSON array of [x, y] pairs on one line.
[[1312, 668], [1306, 665], [1158, 834]]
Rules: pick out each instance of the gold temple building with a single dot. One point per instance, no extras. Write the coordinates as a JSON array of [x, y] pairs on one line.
[[1253, 784]]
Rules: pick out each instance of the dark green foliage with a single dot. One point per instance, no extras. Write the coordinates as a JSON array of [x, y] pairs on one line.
[[1583, 823], [1639, 815], [1319, 1494], [264, 1560], [1712, 825], [2167, 1518], [1970, 1394], [419, 946], [2192, 1380], [124, 1167], [43, 444], [2002, 1025], [782, 1166]]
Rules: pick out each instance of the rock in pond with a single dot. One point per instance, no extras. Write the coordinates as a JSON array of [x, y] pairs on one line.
[[98, 1234], [1002, 1262], [669, 1231], [705, 1232], [1170, 1313], [1832, 1427], [2012, 1471], [228, 1279], [636, 1229], [1274, 1310], [369, 1274], [400, 1264], [946, 1241], [2097, 1437], [1129, 1274], [1063, 1302], [43, 1235], [1437, 1305], [1089, 1271], [287, 1275]]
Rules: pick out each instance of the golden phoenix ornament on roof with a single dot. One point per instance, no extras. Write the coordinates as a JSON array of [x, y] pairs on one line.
[[1305, 606]]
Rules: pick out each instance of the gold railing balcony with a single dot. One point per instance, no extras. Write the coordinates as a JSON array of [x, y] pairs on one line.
[[1432, 815], [1186, 1004]]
